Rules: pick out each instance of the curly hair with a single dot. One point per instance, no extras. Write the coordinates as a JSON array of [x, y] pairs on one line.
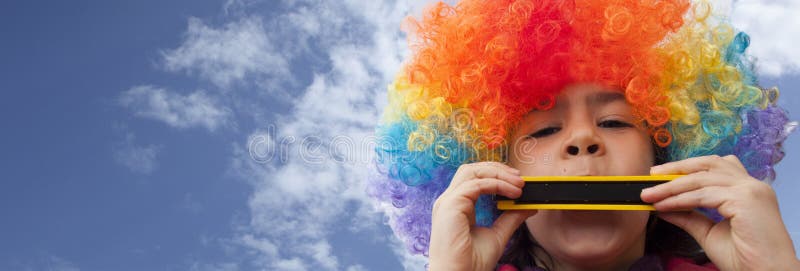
[[479, 66]]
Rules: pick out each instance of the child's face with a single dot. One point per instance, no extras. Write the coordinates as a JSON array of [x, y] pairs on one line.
[[589, 131]]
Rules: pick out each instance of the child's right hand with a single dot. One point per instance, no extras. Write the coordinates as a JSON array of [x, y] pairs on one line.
[[456, 242]]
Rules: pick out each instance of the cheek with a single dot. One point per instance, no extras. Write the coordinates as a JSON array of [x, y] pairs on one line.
[[633, 153], [632, 220], [638, 218], [532, 156], [633, 225], [538, 225], [525, 151]]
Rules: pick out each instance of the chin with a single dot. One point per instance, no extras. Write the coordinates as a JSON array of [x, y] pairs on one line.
[[589, 235], [591, 251], [592, 237]]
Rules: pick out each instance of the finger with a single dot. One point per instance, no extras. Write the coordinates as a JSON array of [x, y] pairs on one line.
[[464, 196], [694, 223], [498, 164], [708, 197], [690, 165], [485, 170], [495, 170], [686, 183], [735, 162], [508, 222], [505, 166], [474, 188], [449, 206]]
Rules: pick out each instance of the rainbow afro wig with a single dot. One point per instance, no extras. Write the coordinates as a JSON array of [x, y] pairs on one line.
[[478, 67]]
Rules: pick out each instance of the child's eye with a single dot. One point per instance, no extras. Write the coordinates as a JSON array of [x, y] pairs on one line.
[[614, 124], [545, 132]]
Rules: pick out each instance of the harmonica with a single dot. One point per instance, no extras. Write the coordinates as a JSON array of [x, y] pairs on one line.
[[583, 193]]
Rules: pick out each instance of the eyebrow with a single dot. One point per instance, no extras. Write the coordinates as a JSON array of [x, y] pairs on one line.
[[603, 98], [597, 99]]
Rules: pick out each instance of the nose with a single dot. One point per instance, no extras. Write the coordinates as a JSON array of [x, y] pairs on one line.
[[575, 150], [583, 141]]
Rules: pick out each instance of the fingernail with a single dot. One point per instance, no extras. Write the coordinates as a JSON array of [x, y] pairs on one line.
[[654, 169]]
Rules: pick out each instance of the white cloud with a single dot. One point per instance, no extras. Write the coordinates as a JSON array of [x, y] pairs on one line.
[[290, 265], [774, 31], [227, 55], [408, 260], [317, 188], [195, 109], [264, 246], [139, 159], [321, 253]]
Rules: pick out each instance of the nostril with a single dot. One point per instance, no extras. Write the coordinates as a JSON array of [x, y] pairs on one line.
[[593, 148], [572, 150]]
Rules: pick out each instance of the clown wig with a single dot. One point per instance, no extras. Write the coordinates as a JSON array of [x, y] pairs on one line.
[[478, 67]]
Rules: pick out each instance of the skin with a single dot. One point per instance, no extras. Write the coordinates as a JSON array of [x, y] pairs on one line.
[[589, 131], [751, 237], [608, 142]]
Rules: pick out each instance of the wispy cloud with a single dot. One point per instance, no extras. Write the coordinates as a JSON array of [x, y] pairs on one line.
[[137, 158], [239, 51], [176, 110], [317, 186], [356, 268], [775, 33]]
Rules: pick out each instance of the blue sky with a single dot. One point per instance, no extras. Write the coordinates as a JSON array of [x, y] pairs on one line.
[[138, 135]]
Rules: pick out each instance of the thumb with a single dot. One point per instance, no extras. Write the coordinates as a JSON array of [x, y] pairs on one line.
[[508, 222], [694, 223]]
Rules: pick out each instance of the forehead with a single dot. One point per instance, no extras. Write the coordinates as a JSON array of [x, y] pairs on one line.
[[588, 94], [581, 99], [578, 99], [585, 95]]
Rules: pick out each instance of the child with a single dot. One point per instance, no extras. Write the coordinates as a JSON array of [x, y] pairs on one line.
[[500, 89]]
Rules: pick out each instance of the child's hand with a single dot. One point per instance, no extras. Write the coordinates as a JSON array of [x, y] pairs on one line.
[[751, 237], [456, 243]]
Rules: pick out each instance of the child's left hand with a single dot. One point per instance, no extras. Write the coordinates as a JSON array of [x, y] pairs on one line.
[[751, 237]]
